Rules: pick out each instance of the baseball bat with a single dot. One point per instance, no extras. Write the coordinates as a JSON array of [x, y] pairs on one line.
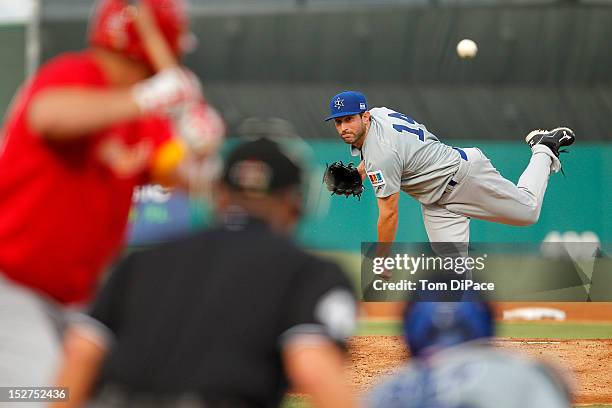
[[156, 46], [161, 57]]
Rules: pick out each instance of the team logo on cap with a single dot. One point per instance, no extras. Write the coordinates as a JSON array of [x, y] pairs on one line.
[[376, 178], [362, 105], [339, 103]]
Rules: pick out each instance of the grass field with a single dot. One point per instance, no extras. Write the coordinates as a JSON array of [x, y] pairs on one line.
[[565, 331]]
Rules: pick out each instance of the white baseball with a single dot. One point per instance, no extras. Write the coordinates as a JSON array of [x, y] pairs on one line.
[[467, 48]]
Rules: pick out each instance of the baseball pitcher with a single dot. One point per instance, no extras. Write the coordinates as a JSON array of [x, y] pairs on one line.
[[452, 184]]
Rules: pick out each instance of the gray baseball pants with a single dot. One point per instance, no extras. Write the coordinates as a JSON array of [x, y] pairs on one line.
[[30, 339], [479, 191]]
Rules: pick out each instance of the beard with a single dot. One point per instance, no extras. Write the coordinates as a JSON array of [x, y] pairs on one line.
[[353, 137]]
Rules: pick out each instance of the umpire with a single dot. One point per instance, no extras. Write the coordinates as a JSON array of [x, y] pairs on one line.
[[226, 318]]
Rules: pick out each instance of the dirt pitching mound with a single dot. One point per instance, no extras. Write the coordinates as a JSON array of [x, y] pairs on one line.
[[590, 360]]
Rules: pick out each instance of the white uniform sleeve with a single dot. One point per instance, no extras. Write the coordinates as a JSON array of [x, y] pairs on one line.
[[321, 305], [385, 172]]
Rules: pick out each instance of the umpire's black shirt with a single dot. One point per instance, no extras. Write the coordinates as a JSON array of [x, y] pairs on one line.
[[210, 314]]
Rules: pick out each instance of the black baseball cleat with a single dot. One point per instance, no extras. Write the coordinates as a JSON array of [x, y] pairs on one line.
[[553, 139]]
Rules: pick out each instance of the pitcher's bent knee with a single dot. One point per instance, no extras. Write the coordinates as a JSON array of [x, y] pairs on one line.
[[528, 216]]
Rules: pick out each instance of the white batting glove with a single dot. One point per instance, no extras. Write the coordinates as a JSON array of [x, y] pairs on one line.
[[200, 127], [167, 90]]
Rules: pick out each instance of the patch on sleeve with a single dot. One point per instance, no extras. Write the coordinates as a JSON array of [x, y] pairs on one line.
[[376, 178]]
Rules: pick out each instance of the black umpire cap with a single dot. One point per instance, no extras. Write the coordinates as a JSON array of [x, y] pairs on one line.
[[260, 166]]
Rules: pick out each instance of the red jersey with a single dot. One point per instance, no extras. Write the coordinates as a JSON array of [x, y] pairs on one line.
[[64, 204]]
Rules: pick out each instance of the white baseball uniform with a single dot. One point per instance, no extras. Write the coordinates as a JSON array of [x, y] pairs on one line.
[[451, 184]]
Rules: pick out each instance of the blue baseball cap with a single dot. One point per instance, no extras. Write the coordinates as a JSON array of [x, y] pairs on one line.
[[347, 103], [430, 326]]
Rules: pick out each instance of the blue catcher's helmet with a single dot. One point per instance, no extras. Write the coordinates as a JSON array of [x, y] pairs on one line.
[[435, 325]]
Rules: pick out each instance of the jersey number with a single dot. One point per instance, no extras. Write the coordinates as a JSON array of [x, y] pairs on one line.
[[400, 128]]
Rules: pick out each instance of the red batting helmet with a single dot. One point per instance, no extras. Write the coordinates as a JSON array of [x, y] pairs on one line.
[[110, 26]]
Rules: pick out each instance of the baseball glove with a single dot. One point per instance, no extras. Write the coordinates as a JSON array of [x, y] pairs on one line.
[[343, 179]]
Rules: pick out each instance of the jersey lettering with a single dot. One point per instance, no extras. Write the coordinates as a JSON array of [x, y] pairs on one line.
[[414, 130]]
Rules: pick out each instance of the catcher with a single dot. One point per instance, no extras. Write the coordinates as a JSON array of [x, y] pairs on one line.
[[455, 365]]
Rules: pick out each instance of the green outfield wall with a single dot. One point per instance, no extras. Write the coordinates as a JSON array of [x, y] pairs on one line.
[[581, 201]]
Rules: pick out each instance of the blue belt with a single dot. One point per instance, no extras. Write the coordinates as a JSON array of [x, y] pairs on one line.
[[461, 153]]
